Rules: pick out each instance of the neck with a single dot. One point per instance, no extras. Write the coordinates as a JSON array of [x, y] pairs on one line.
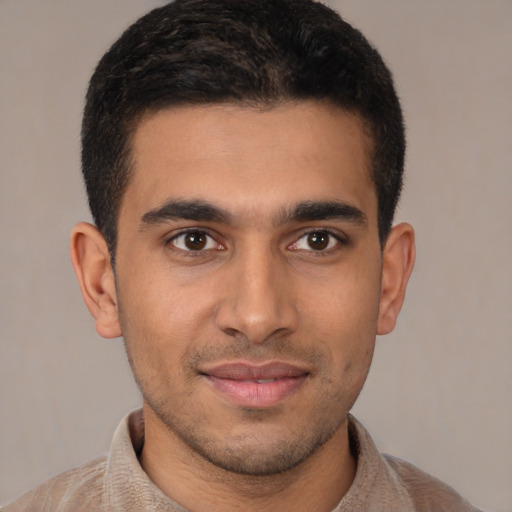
[[318, 483]]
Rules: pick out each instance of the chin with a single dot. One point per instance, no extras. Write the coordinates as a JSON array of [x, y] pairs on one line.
[[263, 452], [258, 460]]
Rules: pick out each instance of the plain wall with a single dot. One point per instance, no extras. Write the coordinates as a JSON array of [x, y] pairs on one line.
[[439, 393]]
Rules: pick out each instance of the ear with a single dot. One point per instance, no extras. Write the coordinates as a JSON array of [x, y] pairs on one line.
[[397, 263], [91, 261]]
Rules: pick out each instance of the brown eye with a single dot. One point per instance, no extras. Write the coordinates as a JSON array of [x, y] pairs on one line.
[[318, 241], [195, 241]]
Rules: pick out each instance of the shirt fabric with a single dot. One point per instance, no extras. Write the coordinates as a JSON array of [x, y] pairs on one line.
[[117, 483]]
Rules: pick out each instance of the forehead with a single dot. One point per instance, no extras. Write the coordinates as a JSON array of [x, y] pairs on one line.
[[250, 159]]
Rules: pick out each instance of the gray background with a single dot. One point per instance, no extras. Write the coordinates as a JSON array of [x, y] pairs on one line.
[[439, 390]]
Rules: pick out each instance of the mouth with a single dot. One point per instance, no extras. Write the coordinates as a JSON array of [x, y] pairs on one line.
[[255, 385]]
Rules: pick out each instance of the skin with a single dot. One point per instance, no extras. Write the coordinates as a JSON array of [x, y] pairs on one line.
[[267, 282]]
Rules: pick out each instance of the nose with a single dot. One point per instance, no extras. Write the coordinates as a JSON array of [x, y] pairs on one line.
[[258, 298]]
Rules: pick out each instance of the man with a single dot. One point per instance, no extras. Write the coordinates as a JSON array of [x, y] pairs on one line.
[[243, 161]]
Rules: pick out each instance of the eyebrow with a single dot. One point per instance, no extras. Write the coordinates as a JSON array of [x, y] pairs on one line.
[[196, 210], [199, 210], [309, 211]]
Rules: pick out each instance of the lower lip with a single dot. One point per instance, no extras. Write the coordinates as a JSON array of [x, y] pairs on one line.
[[249, 393]]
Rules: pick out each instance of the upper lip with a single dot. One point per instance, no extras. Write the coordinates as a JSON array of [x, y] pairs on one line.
[[254, 371]]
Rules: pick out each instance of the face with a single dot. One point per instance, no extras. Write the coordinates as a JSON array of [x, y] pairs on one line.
[[248, 272]]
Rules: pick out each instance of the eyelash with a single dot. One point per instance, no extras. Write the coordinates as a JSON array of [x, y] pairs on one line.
[[340, 240], [170, 242]]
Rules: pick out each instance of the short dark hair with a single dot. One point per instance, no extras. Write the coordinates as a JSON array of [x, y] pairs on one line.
[[252, 52]]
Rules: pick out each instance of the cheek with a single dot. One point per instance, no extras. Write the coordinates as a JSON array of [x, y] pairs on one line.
[[343, 318], [161, 304], [162, 320], [344, 308]]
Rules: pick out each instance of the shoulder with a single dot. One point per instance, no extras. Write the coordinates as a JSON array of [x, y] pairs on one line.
[[384, 482], [78, 489], [425, 491]]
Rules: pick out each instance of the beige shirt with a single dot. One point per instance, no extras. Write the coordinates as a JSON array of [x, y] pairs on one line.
[[118, 483]]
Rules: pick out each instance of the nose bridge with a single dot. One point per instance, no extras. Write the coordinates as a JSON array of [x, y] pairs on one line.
[[259, 301]]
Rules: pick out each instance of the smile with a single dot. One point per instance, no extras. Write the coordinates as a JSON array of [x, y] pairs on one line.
[[256, 386]]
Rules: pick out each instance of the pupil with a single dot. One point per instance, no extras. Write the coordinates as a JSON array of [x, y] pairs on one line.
[[318, 241], [195, 241]]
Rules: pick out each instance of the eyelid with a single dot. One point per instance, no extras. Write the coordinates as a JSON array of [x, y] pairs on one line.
[[182, 232], [339, 237]]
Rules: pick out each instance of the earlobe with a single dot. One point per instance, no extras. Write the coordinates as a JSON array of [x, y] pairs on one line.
[[397, 263], [91, 261]]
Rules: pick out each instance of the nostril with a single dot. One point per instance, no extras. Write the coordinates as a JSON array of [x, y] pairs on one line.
[[232, 332]]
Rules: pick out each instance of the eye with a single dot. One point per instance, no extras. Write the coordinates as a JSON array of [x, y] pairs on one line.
[[318, 241], [194, 241]]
